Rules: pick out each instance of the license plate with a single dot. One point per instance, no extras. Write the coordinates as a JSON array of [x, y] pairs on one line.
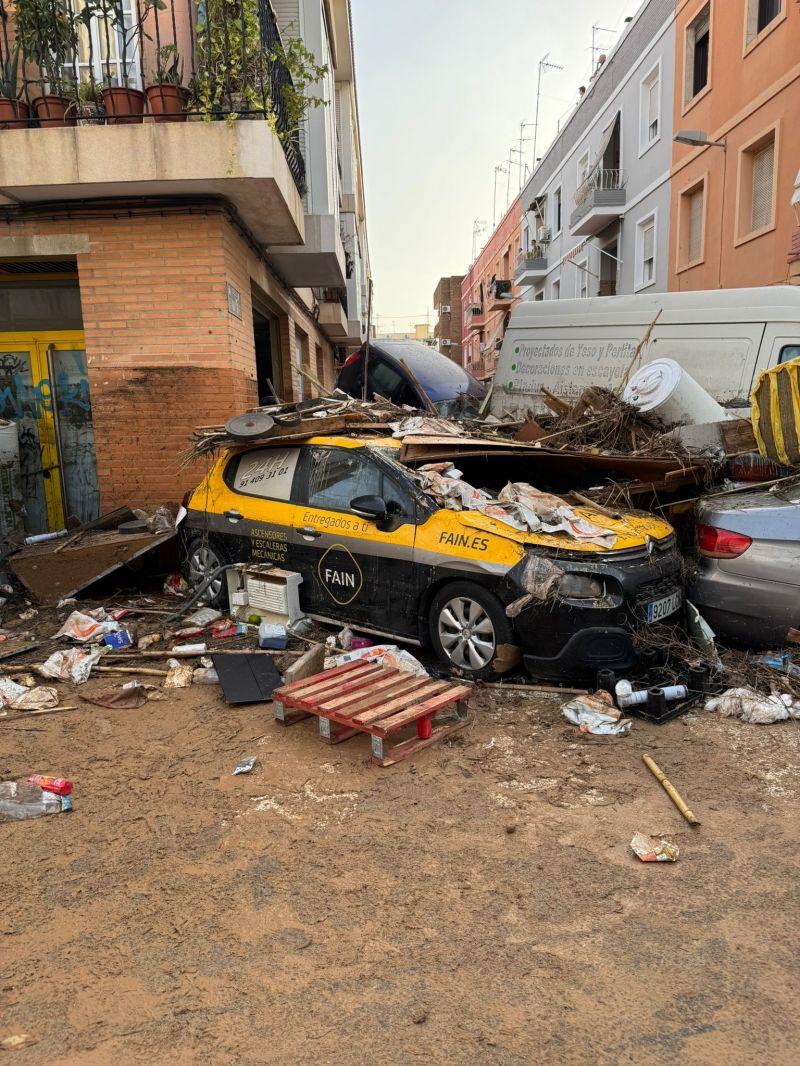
[[663, 608]]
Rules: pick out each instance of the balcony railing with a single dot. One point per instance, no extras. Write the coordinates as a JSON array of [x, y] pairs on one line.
[[94, 62], [474, 316], [600, 179], [599, 200]]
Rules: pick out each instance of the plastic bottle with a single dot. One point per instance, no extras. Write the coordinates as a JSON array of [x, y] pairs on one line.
[[58, 785]]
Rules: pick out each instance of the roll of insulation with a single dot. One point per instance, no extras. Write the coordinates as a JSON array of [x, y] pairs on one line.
[[663, 388], [10, 479]]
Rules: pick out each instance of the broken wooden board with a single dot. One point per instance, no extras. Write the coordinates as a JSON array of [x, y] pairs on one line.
[[52, 575]]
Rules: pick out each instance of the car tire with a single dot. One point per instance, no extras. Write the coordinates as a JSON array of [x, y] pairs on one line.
[[203, 556], [467, 625]]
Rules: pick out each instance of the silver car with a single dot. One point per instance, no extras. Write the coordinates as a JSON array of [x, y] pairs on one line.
[[748, 546]]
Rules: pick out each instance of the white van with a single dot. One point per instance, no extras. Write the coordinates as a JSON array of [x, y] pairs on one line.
[[722, 338]]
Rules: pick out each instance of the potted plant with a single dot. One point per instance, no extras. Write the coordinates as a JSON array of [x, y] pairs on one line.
[[14, 113], [46, 37], [86, 104], [166, 96]]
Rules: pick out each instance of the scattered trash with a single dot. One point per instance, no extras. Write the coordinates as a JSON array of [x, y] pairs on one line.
[[596, 715], [272, 635], [753, 707], [389, 655], [670, 790], [60, 786], [180, 674], [121, 639], [228, 630], [127, 697], [68, 601], [205, 675], [17, 1041], [189, 649], [654, 849], [34, 699], [176, 585], [27, 616], [246, 677], [203, 617], [20, 800], [360, 642], [671, 693], [244, 766], [147, 641], [72, 665], [87, 627]]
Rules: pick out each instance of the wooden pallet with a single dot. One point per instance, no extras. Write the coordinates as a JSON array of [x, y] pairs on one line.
[[366, 697]]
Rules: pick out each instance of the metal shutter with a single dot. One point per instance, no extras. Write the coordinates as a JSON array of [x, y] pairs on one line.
[[652, 109], [648, 252], [696, 224], [763, 167]]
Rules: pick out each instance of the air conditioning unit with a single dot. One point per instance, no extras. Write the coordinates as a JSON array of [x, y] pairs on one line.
[[543, 234], [446, 342], [268, 591], [444, 309]]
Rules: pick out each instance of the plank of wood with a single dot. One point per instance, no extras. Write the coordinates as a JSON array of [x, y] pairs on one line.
[[738, 436], [366, 718], [335, 671], [20, 716], [422, 710], [400, 694], [378, 691], [310, 701], [793, 636], [555, 403]]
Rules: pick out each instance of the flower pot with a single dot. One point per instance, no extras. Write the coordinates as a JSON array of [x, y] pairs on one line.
[[122, 105], [167, 102], [54, 110], [14, 114]]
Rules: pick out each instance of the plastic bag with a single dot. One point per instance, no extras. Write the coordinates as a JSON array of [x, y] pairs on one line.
[[386, 654], [596, 715], [84, 627], [20, 800], [754, 707], [654, 849], [73, 665]]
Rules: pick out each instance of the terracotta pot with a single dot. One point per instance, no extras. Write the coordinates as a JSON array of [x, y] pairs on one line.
[[167, 102], [14, 114], [53, 110], [122, 105]]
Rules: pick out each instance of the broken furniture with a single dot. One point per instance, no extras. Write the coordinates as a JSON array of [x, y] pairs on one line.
[[365, 697]]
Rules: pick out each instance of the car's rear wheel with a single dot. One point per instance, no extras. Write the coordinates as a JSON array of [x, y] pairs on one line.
[[467, 626], [203, 557]]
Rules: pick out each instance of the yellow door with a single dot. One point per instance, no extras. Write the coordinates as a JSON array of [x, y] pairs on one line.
[[45, 390]]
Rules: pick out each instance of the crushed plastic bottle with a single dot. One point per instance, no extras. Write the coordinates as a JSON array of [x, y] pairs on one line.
[[59, 785]]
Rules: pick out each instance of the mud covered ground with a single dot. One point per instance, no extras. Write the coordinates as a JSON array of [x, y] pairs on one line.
[[477, 905]]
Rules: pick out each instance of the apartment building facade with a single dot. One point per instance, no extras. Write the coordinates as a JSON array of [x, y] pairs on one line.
[[448, 328], [596, 210], [488, 294], [737, 89], [162, 270]]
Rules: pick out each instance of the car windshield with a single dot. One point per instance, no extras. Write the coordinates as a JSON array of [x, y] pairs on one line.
[[462, 406]]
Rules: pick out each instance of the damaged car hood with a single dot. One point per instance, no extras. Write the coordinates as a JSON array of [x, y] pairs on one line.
[[631, 531]]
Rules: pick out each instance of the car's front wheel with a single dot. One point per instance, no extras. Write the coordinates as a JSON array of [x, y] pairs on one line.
[[203, 557], [467, 626]]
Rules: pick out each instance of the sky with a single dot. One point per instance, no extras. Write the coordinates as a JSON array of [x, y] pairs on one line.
[[443, 86]]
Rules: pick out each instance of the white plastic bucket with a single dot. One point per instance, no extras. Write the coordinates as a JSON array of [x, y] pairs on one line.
[[663, 388]]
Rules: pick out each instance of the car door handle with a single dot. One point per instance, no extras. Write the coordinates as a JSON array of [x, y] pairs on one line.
[[234, 516], [308, 531]]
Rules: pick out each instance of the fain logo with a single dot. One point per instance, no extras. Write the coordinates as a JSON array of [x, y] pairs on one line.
[[340, 575]]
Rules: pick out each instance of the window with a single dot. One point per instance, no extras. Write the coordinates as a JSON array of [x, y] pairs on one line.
[[583, 168], [557, 211], [650, 109], [335, 476], [390, 383], [264, 472], [556, 291], [106, 48], [582, 280], [761, 198], [692, 211], [646, 252], [789, 352], [760, 13], [698, 52]]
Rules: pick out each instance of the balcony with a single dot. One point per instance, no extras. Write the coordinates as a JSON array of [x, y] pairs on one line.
[[333, 317], [501, 296], [115, 100], [598, 202], [531, 265], [474, 317], [319, 261]]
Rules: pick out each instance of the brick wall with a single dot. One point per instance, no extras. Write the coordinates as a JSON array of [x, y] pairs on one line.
[[164, 353], [449, 325]]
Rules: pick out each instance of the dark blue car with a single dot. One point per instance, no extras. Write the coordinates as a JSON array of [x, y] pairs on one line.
[[397, 370]]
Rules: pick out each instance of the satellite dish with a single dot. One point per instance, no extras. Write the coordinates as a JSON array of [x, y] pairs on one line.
[[249, 427]]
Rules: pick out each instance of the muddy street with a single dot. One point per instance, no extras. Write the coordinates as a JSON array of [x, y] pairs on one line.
[[477, 904]]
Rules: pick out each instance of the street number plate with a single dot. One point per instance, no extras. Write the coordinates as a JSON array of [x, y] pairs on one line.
[[658, 610]]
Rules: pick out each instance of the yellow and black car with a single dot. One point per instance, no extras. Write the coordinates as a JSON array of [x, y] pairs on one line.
[[378, 553]]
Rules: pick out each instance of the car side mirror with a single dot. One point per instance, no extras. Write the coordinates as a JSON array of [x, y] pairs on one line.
[[372, 507]]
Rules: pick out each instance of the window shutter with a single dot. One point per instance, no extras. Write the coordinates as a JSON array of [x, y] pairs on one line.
[[763, 167], [652, 110], [649, 242], [696, 225]]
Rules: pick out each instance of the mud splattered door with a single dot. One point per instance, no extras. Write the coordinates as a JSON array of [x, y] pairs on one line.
[[44, 389]]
